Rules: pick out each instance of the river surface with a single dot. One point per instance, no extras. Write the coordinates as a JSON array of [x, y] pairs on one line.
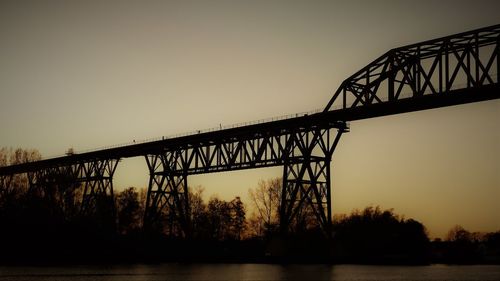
[[198, 272]]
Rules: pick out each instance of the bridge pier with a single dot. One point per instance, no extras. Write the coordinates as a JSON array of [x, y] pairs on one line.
[[457, 69], [97, 176], [53, 184], [46, 183], [304, 152], [306, 187], [168, 196]]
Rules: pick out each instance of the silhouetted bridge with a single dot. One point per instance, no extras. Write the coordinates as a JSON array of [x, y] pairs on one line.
[[457, 69]]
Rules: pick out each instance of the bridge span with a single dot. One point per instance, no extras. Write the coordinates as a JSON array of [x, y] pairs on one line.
[[457, 69]]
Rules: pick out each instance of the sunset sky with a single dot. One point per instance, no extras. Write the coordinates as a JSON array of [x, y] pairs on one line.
[[89, 74]]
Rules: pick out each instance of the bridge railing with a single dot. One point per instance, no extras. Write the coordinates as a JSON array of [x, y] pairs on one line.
[[194, 132], [465, 60]]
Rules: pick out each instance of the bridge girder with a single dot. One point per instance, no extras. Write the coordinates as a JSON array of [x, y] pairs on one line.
[[457, 69], [306, 149], [167, 198], [468, 60], [95, 177], [306, 180]]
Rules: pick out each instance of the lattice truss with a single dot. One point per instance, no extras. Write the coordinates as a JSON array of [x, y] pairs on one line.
[[305, 154], [306, 179], [50, 182], [168, 197], [95, 176], [456, 69], [462, 61]]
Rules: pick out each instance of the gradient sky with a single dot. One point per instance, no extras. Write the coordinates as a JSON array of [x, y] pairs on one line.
[[94, 73]]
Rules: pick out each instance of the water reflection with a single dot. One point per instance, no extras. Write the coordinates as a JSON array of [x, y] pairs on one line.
[[305, 272], [257, 272]]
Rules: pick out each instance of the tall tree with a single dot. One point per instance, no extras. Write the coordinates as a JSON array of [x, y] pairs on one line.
[[199, 214], [238, 218], [266, 201], [458, 234], [9, 156], [129, 210], [219, 213]]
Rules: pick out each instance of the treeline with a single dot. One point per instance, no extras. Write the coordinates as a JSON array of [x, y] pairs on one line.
[[374, 235], [49, 226], [213, 220], [464, 247]]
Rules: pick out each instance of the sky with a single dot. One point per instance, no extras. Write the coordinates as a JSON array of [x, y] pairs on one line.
[[88, 74]]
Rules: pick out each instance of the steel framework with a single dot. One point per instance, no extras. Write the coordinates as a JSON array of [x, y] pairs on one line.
[[304, 152], [468, 60], [96, 176], [306, 177], [46, 182], [456, 69]]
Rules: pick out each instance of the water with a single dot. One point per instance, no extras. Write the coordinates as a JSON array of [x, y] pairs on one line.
[[199, 272]]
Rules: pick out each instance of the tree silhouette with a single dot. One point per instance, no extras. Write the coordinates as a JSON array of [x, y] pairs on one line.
[[458, 234], [462, 247], [238, 223], [19, 182], [266, 200], [128, 210], [376, 235], [45, 221], [219, 214]]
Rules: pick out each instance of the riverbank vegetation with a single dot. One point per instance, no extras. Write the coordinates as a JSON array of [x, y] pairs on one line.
[[49, 227]]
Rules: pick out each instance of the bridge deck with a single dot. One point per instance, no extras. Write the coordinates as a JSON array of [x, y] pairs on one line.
[[330, 119], [456, 69]]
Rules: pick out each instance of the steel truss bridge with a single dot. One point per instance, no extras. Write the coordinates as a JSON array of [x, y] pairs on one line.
[[452, 70]]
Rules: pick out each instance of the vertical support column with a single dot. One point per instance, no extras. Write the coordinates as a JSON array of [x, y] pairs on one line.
[[68, 184], [413, 74], [306, 190], [418, 74], [466, 66], [440, 67], [167, 203], [392, 76], [366, 91], [97, 176], [497, 51], [55, 185], [328, 196], [477, 61], [306, 187], [447, 66]]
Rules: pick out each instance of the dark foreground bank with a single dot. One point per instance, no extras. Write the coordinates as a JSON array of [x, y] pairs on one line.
[[117, 249]]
